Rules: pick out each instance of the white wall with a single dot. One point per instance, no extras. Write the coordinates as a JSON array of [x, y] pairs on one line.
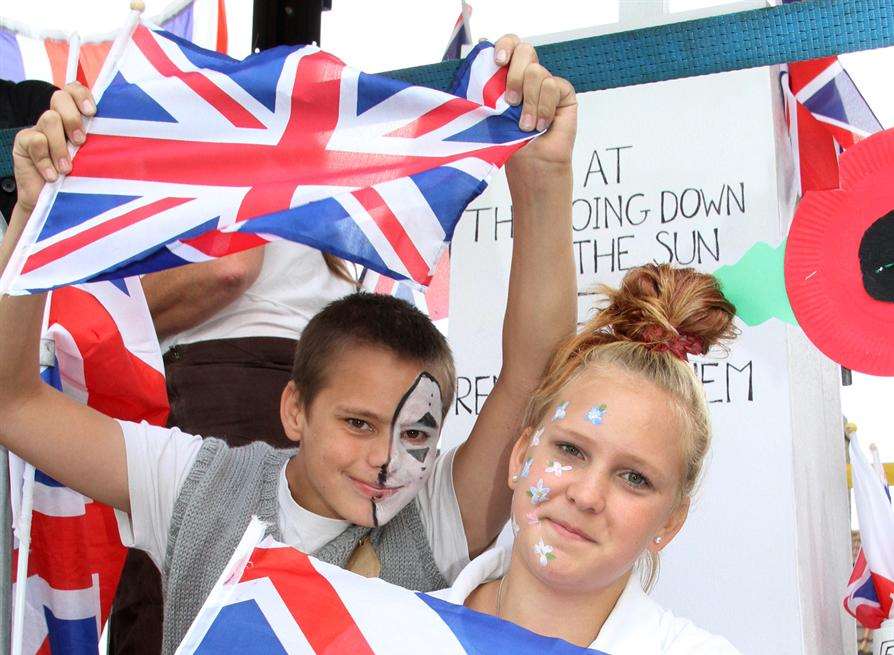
[[764, 554]]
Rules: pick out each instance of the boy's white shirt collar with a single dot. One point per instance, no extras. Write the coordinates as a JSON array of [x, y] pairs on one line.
[[312, 530], [637, 624]]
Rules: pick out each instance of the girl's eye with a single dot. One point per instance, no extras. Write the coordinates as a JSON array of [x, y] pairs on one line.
[[570, 449], [637, 480]]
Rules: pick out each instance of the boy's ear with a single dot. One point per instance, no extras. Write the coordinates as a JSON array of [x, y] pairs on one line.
[[517, 458], [291, 412]]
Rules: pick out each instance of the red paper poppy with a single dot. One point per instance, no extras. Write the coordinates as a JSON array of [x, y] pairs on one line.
[[824, 276]]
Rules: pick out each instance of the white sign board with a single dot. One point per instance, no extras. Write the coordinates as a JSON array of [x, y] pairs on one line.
[[686, 172]]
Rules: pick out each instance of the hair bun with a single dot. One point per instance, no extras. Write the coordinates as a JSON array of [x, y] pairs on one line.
[[677, 309]]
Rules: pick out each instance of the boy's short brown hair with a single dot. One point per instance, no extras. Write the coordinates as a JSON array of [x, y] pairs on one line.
[[371, 320]]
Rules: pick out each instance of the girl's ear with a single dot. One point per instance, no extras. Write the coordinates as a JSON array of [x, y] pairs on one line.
[[517, 458], [673, 525], [291, 412]]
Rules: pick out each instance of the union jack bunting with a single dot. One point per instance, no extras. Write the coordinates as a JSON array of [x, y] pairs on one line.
[[871, 584], [107, 356], [461, 35], [25, 55], [193, 155], [826, 114], [272, 598]]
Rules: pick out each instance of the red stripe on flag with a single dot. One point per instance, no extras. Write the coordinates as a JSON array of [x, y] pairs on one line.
[[218, 244], [221, 45], [310, 598], [238, 115], [394, 232], [82, 239], [437, 117], [495, 87]]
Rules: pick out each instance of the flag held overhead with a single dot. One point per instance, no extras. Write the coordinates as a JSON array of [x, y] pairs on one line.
[[193, 155]]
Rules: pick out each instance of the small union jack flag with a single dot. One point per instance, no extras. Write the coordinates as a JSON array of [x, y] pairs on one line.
[[826, 114], [193, 155], [871, 585]]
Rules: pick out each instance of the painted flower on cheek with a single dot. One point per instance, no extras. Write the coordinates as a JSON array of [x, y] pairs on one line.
[[561, 410], [596, 414], [539, 492], [544, 551], [526, 468], [535, 439], [556, 468], [532, 517]]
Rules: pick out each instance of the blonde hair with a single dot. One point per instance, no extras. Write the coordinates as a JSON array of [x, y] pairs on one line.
[[648, 325]]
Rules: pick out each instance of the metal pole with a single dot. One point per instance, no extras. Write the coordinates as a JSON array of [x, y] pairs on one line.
[[5, 554]]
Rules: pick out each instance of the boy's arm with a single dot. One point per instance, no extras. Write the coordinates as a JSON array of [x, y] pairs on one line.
[[74, 444], [541, 307]]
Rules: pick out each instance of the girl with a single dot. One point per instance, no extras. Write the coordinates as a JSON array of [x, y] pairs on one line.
[[603, 474]]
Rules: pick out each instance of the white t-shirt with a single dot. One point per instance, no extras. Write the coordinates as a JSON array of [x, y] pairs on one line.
[[637, 625], [294, 284], [159, 459]]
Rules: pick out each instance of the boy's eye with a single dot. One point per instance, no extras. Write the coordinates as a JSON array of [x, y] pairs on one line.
[[358, 424], [637, 480], [570, 449]]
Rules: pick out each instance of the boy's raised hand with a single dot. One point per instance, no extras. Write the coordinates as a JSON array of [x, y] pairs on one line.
[[40, 154], [547, 103], [78, 446]]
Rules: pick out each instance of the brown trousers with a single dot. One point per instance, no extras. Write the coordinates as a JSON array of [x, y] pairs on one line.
[[227, 388]]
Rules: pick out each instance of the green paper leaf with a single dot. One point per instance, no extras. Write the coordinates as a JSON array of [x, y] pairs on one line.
[[756, 285]]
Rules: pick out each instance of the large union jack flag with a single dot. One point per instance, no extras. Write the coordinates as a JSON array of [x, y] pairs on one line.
[[105, 355], [193, 155], [272, 598]]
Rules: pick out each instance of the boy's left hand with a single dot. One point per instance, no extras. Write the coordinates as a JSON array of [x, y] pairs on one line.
[[547, 102]]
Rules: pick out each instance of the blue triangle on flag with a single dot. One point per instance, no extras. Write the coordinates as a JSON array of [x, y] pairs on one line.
[[240, 628], [125, 100], [44, 479], [72, 637], [121, 285], [373, 89], [71, 209]]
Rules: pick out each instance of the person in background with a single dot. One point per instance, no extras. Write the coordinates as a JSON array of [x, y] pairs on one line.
[[21, 104], [602, 475]]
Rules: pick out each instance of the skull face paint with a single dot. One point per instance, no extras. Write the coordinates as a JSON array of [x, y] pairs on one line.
[[414, 438]]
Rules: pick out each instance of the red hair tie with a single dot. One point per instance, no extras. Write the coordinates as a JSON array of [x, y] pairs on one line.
[[679, 345]]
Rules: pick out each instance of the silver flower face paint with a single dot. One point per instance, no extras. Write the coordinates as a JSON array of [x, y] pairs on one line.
[[415, 430]]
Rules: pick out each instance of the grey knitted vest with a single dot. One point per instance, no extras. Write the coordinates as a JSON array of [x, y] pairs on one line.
[[223, 490]]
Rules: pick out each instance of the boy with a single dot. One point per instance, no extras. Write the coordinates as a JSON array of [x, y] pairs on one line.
[[372, 383]]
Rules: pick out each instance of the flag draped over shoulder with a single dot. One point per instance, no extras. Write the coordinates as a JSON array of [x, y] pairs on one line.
[[871, 584], [107, 356], [193, 155], [272, 598]]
